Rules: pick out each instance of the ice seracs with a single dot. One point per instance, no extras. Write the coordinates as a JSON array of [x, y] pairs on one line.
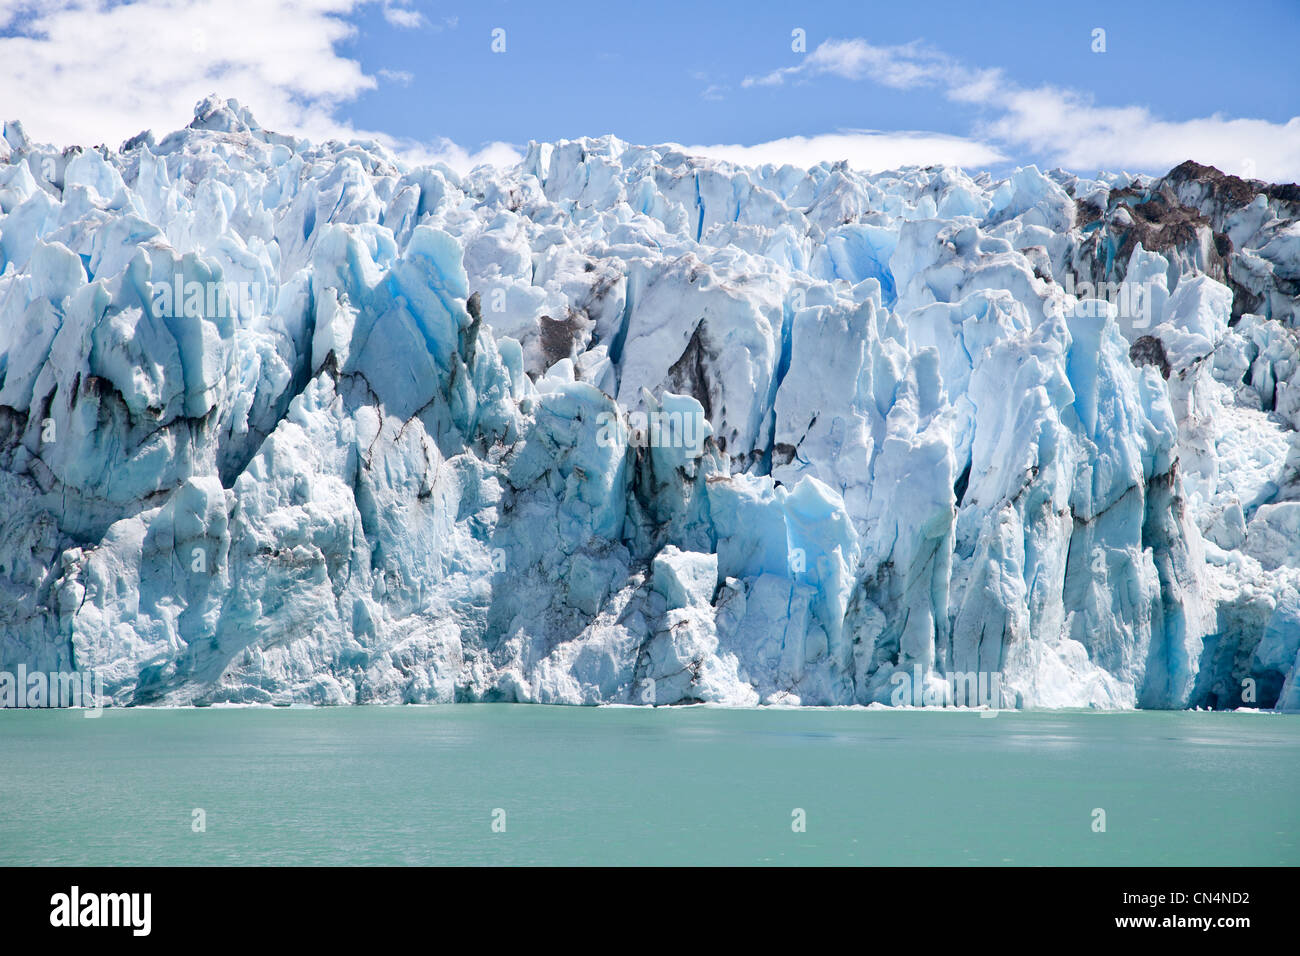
[[624, 425]]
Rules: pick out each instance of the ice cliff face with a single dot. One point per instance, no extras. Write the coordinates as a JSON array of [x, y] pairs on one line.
[[290, 422]]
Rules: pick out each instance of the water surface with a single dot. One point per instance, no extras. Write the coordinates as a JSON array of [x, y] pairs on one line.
[[694, 785]]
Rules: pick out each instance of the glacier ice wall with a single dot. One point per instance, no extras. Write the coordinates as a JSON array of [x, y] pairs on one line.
[[284, 422]]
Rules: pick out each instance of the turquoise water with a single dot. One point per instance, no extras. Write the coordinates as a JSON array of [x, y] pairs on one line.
[[419, 785]]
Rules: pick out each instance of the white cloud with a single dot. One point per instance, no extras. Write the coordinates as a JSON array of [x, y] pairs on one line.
[[94, 71], [403, 18], [459, 158], [900, 67], [77, 72], [867, 150], [1065, 126], [1061, 126]]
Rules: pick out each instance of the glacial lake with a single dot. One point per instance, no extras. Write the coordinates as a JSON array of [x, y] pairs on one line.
[[508, 784]]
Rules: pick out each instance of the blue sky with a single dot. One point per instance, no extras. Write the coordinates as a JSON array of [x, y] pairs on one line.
[[988, 83], [583, 68]]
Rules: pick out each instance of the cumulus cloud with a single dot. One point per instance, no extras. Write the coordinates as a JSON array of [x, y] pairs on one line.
[[95, 71], [1067, 127], [459, 158], [867, 150], [403, 17], [103, 71], [1063, 126], [899, 67]]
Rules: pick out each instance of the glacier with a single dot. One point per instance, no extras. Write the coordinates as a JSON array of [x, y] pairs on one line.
[[285, 422]]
